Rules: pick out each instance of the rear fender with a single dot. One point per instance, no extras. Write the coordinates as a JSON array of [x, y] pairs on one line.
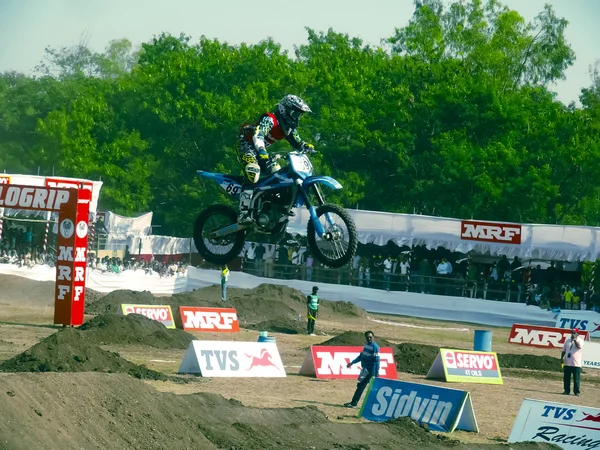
[[230, 183]]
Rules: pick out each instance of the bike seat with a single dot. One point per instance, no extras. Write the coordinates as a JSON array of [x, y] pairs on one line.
[[238, 178]]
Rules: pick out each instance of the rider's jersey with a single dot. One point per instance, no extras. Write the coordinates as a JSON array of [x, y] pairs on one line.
[[269, 131]]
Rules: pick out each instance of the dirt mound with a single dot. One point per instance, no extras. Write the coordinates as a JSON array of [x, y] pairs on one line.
[[26, 292], [418, 358], [415, 358], [532, 362], [92, 296], [285, 326], [133, 329], [341, 307], [354, 338], [68, 351], [118, 412], [110, 303]]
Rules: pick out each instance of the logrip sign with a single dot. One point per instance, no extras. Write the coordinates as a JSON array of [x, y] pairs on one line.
[[233, 359], [466, 366], [504, 233], [34, 198], [442, 409], [209, 319], [567, 426], [330, 362], [537, 336], [160, 313]]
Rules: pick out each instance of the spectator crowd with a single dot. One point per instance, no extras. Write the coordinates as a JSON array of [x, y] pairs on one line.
[[440, 272]]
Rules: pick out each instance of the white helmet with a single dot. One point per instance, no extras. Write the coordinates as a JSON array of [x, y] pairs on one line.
[[289, 110]]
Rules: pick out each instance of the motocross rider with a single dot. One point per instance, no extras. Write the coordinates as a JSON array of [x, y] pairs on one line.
[[255, 139]]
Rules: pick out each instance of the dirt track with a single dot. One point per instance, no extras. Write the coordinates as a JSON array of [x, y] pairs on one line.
[[109, 410]]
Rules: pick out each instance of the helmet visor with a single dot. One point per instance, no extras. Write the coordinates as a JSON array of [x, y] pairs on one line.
[[296, 114]]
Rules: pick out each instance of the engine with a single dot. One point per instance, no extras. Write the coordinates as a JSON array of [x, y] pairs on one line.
[[271, 207]]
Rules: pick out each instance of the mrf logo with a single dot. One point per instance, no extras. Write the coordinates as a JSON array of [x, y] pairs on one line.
[[209, 319], [69, 184], [540, 336], [331, 362], [490, 232], [68, 274]]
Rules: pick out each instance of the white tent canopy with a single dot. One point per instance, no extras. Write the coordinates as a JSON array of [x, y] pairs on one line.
[[527, 241]]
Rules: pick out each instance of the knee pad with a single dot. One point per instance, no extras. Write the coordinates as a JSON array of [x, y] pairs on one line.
[[252, 172]]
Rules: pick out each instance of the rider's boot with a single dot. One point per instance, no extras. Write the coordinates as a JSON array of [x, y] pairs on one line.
[[244, 216]]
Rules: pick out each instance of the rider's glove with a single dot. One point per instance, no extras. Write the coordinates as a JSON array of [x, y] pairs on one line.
[[262, 154], [308, 148]]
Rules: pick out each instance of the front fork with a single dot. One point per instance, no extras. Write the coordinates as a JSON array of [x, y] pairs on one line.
[[313, 212]]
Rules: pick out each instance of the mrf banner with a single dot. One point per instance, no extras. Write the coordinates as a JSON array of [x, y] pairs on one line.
[[465, 366], [568, 426], [442, 409]]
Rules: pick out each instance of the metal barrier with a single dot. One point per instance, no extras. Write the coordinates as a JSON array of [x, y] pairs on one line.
[[438, 285]]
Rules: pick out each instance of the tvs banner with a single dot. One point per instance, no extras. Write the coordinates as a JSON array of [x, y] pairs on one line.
[[442, 409], [503, 233], [591, 355], [209, 319], [536, 336], [465, 366], [584, 320], [330, 362], [568, 426], [160, 313], [233, 359]]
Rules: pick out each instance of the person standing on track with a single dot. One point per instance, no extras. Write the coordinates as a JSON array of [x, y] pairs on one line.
[[224, 280], [369, 361], [312, 307], [572, 357]]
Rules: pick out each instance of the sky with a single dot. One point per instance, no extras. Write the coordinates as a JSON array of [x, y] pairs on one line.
[[28, 26]]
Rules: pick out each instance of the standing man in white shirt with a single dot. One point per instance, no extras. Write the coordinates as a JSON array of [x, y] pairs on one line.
[[572, 357], [387, 272]]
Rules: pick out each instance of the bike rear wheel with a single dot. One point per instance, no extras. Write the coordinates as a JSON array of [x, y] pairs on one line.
[[217, 249], [338, 244]]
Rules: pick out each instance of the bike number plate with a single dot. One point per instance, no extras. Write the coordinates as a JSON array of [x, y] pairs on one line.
[[231, 187]]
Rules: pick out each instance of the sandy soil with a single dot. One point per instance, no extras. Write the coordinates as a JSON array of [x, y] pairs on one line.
[[93, 410]]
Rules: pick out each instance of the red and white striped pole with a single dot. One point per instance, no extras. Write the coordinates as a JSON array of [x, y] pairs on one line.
[[46, 234]]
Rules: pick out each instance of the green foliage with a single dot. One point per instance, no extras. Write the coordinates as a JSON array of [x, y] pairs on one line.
[[450, 116]]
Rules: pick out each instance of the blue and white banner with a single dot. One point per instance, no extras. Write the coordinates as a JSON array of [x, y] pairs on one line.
[[584, 320], [568, 426], [442, 409], [591, 355]]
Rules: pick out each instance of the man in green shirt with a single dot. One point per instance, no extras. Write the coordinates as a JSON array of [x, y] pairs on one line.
[[312, 303]]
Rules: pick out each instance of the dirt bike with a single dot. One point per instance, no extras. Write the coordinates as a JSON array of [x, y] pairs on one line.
[[331, 232]]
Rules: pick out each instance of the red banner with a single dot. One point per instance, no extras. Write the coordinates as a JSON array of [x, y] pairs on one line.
[[503, 233], [330, 362], [536, 336], [71, 263], [209, 319]]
